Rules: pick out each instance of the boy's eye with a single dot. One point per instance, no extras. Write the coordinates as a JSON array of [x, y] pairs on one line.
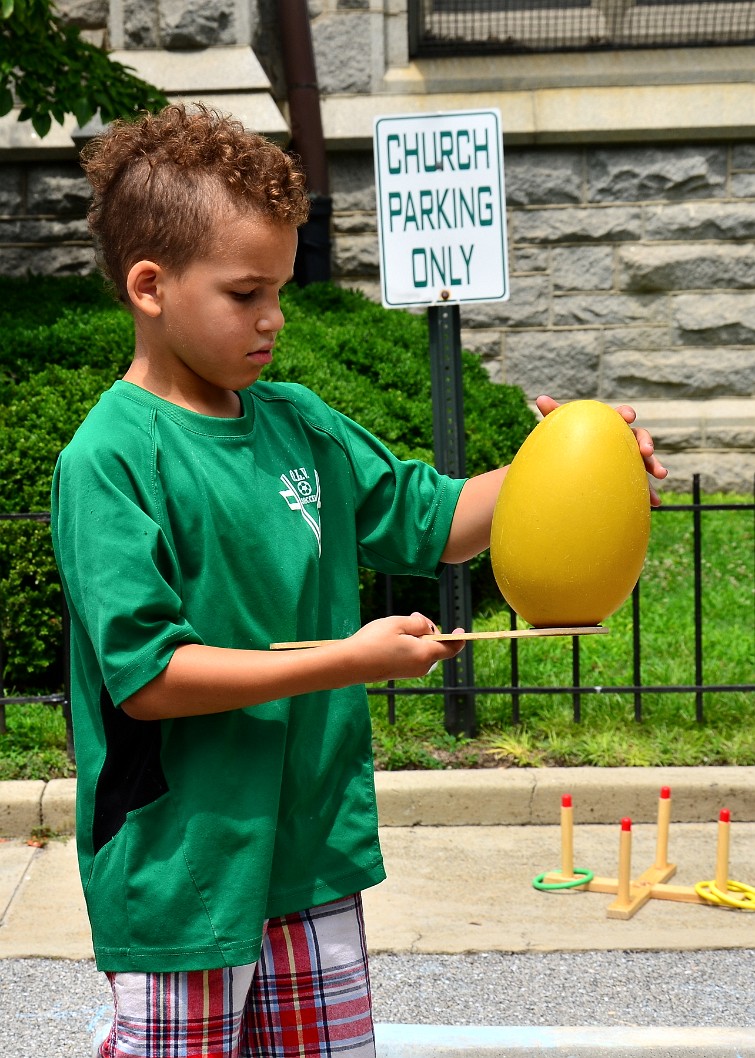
[[243, 295]]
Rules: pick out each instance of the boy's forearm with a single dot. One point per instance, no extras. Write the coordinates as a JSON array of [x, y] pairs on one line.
[[201, 679], [470, 529]]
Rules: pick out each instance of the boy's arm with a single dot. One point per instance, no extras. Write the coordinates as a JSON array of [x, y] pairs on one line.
[[470, 529], [203, 679]]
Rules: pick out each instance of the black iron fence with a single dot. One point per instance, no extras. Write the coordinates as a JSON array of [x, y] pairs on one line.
[[454, 27], [460, 701]]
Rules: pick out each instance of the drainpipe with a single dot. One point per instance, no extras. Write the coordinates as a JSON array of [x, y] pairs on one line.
[[307, 139]]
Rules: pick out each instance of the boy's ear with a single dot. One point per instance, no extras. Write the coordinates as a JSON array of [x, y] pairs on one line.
[[144, 286]]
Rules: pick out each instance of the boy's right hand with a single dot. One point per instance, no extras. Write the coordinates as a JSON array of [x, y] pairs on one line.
[[393, 648]]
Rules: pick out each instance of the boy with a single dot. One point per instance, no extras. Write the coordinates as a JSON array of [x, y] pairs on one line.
[[226, 818]]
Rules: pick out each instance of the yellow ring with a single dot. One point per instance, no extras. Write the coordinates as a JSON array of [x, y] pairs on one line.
[[713, 895]]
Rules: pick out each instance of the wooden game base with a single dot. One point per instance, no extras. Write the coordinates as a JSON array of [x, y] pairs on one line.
[[651, 884], [439, 637]]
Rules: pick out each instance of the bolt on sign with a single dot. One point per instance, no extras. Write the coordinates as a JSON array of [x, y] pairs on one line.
[[441, 208]]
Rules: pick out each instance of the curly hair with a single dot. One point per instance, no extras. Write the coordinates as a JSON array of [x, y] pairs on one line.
[[161, 184]]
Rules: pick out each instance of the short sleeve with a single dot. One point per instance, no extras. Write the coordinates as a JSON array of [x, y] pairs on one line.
[[118, 569], [404, 508]]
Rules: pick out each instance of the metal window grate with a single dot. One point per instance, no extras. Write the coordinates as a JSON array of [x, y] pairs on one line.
[[442, 27]]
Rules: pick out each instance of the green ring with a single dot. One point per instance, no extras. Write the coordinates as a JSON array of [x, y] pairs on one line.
[[572, 883]]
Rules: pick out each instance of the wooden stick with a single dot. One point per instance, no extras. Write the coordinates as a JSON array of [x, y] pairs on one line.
[[567, 837], [722, 851], [441, 637], [664, 818]]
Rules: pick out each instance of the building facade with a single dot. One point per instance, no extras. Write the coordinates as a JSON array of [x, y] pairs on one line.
[[630, 189]]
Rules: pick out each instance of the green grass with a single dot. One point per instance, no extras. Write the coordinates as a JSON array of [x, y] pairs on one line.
[[608, 734], [34, 746]]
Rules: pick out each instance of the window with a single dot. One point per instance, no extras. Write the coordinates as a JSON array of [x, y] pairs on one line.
[[443, 27]]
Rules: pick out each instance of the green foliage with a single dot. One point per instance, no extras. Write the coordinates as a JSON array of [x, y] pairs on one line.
[[373, 364], [53, 71], [64, 340]]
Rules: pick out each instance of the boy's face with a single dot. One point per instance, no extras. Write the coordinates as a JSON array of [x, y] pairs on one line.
[[218, 319]]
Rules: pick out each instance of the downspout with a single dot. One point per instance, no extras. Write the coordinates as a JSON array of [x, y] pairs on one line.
[[307, 139]]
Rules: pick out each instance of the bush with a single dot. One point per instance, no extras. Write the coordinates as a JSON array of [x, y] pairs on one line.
[[64, 340]]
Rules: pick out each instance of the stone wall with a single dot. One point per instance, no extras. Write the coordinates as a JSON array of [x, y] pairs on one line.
[[632, 279], [632, 266]]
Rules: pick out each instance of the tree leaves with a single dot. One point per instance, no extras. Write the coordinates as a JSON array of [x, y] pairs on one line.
[[55, 71]]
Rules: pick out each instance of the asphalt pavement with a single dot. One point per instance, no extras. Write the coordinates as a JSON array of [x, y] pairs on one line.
[[467, 957]]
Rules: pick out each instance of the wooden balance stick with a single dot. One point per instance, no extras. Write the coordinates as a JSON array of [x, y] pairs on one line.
[[440, 637]]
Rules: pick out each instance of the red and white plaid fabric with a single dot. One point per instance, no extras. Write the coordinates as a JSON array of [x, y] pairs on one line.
[[307, 997]]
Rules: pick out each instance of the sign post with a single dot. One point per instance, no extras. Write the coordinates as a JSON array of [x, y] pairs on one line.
[[442, 236]]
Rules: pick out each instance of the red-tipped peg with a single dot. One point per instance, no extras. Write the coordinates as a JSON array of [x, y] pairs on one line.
[[566, 800], [725, 816], [665, 793], [626, 823]]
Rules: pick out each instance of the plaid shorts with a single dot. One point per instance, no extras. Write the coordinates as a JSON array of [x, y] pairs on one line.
[[308, 996]]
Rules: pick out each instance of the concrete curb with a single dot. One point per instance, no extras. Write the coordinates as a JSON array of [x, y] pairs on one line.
[[447, 1041], [521, 796], [484, 797]]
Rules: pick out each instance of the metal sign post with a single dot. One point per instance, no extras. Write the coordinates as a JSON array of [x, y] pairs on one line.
[[448, 434], [442, 232]]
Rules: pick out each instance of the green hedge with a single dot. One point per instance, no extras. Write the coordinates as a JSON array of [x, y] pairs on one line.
[[63, 341]]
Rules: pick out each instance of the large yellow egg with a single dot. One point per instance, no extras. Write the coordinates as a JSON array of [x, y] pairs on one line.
[[572, 520]]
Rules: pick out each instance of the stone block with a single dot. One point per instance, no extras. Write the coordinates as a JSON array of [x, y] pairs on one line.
[[20, 810], [742, 185], [196, 23], [700, 220], [59, 806], [720, 471], [743, 156], [46, 260], [635, 174], [657, 336], [529, 259], [87, 14], [678, 374], [11, 198], [582, 267], [354, 223], [562, 362], [543, 177], [577, 225], [343, 46], [46, 230], [527, 306], [577, 310], [140, 24], [352, 181], [717, 319], [684, 266], [355, 255]]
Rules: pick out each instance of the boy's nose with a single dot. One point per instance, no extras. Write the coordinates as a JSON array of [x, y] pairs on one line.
[[271, 320]]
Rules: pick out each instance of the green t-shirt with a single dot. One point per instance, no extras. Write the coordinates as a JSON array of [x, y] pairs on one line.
[[172, 527]]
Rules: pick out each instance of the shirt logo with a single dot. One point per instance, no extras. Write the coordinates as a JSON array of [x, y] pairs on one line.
[[302, 495]]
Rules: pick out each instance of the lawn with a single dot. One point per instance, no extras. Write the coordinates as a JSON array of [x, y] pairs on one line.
[[608, 735]]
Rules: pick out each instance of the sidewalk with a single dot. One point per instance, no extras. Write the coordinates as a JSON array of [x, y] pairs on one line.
[[461, 850]]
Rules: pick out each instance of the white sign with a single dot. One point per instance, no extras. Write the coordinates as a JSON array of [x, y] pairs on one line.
[[441, 208]]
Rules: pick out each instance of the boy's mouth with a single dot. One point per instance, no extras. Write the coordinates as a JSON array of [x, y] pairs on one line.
[[261, 356]]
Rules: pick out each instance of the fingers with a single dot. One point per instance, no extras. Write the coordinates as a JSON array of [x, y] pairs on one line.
[[546, 405]]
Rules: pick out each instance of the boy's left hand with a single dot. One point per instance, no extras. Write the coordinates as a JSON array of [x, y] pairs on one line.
[[644, 441]]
